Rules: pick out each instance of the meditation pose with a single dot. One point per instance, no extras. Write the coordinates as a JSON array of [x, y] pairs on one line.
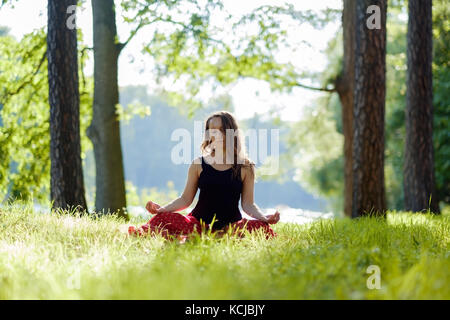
[[224, 174]]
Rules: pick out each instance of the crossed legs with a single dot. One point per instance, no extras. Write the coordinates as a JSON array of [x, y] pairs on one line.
[[172, 225]]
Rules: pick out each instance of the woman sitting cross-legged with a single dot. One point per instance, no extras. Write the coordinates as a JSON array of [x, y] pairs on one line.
[[223, 176]]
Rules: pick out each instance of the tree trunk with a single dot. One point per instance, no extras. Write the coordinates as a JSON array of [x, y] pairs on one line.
[[104, 130], [419, 180], [67, 185], [345, 87], [369, 109]]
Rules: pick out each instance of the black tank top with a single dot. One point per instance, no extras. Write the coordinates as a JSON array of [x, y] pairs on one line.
[[219, 196]]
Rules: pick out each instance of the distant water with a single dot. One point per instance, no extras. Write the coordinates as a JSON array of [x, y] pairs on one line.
[[287, 214], [299, 216]]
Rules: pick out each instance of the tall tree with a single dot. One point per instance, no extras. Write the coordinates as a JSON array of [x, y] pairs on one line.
[[419, 180], [104, 131], [369, 109], [67, 185], [344, 85]]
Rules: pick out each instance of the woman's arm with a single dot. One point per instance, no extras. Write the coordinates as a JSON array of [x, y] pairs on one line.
[[247, 198], [188, 195], [255, 212]]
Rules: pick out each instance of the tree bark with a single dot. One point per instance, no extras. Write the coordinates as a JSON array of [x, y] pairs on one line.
[[104, 131], [369, 109], [345, 86], [419, 180], [67, 185]]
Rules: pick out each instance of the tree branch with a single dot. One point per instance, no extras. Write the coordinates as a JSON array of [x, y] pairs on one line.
[[10, 94], [297, 84], [122, 45]]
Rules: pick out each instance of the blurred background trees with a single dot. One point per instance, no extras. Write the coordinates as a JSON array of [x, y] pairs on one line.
[[313, 162]]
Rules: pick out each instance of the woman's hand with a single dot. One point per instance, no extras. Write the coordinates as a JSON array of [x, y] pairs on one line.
[[161, 210], [152, 207], [273, 218]]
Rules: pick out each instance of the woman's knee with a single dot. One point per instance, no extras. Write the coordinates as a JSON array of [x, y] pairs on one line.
[[164, 217], [173, 222]]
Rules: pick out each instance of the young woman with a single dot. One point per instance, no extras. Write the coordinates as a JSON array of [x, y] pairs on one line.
[[223, 175]]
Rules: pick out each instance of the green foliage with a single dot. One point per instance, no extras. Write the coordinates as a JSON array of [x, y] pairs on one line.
[[196, 47], [24, 134], [316, 148], [125, 114], [140, 197], [24, 117], [193, 47], [197, 50], [52, 256], [395, 108]]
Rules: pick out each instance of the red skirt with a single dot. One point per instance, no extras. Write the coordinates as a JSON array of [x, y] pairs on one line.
[[173, 224]]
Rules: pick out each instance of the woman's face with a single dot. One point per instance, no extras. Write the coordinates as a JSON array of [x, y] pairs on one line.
[[215, 127]]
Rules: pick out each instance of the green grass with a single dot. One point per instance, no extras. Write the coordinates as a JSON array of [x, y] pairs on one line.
[[51, 256]]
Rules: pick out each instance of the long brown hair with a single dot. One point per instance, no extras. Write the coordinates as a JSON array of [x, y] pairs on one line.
[[229, 122]]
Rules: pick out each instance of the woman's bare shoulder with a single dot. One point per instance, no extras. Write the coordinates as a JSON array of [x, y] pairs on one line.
[[197, 161], [246, 171], [196, 165]]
